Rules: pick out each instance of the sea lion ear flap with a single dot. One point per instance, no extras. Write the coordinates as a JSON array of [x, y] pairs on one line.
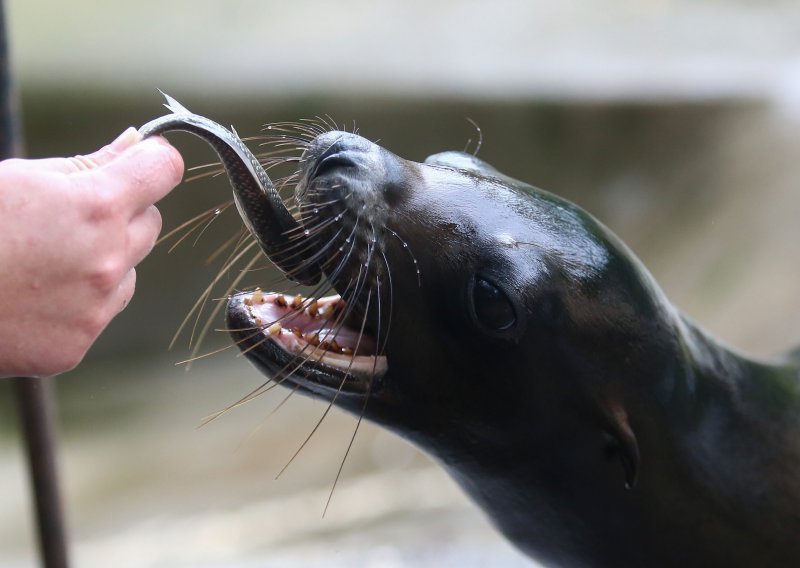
[[623, 443], [461, 161]]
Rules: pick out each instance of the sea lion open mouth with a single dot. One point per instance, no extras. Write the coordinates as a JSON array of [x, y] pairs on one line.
[[309, 338], [330, 344]]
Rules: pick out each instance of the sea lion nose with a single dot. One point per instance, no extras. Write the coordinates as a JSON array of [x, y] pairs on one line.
[[334, 154], [335, 143]]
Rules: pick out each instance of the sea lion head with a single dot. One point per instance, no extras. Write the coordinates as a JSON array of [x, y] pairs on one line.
[[475, 311]]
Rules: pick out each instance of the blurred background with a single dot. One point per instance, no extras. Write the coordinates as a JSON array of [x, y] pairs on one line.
[[677, 123]]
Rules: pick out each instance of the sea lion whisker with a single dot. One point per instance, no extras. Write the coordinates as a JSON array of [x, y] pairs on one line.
[[279, 154], [213, 173], [234, 241], [288, 179], [201, 300], [243, 400], [343, 262], [196, 357], [310, 434], [263, 421], [480, 138], [411, 254], [324, 120], [281, 139], [347, 451], [310, 230], [292, 128], [301, 231], [324, 204], [382, 347], [196, 219], [333, 399], [364, 407], [321, 251], [316, 125], [307, 216], [213, 217], [203, 166], [219, 305]]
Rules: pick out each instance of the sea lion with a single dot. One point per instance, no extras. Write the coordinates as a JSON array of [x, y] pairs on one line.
[[513, 337], [518, 341]]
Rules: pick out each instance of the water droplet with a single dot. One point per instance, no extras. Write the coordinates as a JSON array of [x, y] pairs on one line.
[[306, 232], [217, 211], [405, 245], [316, 210], [347, 240]]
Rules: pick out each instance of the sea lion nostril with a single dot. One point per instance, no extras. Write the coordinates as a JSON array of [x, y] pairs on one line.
[[332, 163]]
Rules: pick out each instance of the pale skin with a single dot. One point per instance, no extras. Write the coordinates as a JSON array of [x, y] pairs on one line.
[[72, 231]]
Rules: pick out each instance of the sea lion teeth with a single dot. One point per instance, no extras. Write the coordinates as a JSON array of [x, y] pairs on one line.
[[275, 328], [280, 301], [258, 296], [297, 331], [297, 301], [248, 301], [313, 309], [259, 321]]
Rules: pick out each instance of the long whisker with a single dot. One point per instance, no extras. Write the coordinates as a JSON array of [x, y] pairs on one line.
[[208, 290], [196, 219], [333, 399], [210, 320], [366, 396]]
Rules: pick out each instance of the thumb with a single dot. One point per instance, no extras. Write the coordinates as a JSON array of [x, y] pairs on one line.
[[107, 153], [91, 161]]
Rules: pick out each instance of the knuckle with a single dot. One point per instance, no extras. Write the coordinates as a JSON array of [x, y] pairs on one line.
[[93, 322], [107, 274], [104, 204], [71, 360]]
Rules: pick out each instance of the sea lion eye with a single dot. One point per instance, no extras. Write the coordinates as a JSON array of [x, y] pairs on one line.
[[492, 307]]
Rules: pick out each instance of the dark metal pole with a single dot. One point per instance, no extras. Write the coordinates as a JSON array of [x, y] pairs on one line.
[[36, 406], [34, 396]]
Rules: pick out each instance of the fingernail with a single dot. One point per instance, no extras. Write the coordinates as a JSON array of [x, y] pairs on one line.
[[125, 140]]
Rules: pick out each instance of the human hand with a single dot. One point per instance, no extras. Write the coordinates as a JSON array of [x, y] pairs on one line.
[[71, 231]]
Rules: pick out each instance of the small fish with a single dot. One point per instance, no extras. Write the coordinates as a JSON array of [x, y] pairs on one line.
[[260, 206]]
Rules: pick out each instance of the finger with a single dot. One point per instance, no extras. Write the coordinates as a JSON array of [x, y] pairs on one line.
[[144, 173], [125, 291], [108, 153], [81, 163], [143, 232]]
